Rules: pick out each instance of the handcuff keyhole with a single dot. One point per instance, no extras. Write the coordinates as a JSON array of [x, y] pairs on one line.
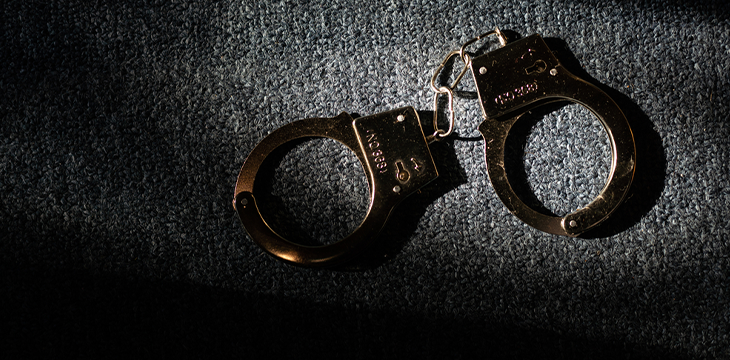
[[537, 68], [401, 173], [312, 192], [557, 158]]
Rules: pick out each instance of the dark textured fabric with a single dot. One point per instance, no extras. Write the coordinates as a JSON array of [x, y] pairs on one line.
[[124, 125]]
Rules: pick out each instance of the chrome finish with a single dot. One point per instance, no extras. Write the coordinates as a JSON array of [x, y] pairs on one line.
[[462, 51], [448, 91], [440, 133], [396, 159], [394, 153], [516, 82], [441, 67]]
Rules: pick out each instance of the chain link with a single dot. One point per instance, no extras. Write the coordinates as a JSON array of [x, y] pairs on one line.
[[462, 51], [449, 90]]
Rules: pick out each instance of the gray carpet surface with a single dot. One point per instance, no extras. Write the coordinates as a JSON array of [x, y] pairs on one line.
[[124, 125]]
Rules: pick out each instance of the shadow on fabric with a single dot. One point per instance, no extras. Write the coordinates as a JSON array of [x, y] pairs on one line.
[[72, 313]]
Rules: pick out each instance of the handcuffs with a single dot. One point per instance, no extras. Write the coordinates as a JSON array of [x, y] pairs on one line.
[[394, 151]]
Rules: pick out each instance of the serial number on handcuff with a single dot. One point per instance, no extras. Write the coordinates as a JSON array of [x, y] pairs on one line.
[[516, 93], [376, 153]]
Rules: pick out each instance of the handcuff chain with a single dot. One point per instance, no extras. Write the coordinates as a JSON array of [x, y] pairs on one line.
[[449, 90], [445, 90], [462, 51]]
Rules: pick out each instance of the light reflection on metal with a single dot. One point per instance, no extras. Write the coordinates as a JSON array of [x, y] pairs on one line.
[[394, 153], [387, 144], [514, 82]]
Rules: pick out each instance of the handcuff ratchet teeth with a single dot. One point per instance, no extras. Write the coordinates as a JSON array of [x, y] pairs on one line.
[[395, 155]]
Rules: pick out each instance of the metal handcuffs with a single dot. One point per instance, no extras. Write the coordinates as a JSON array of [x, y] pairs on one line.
[[394, 152]]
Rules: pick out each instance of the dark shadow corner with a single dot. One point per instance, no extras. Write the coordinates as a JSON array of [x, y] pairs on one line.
[[67, 313]]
